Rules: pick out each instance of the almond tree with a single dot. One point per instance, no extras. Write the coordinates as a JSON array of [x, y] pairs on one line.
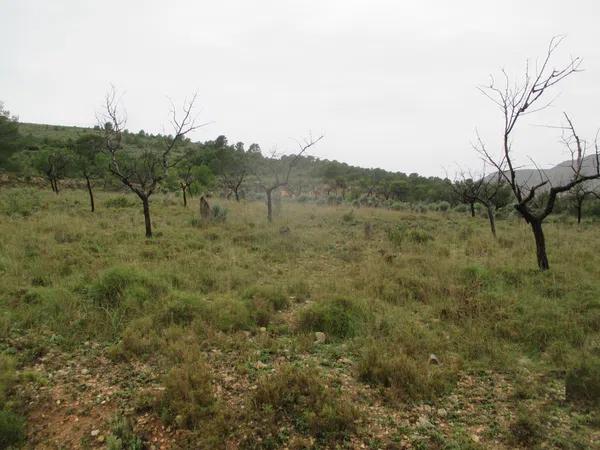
[[274, 172], [143, 171], [517, 98]]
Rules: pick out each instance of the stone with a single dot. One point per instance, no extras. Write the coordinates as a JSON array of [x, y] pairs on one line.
[[442, 412], [95, 433], [320, 337], [433, 359], [262, 329], [424, 422]]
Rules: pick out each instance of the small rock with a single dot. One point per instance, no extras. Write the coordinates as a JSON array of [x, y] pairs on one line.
[[424, 422], [84, 371], [442, 412], [320, 337], [260, 365], [100, 438], [95, 433], [262, 329], [433, 359]]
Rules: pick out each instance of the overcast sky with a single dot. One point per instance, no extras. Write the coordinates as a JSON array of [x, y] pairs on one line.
[[391, 84]]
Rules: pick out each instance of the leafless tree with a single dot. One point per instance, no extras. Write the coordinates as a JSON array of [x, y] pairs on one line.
[[579, 194], [483, 189], [143, 172], [516, 99], [274, 172]]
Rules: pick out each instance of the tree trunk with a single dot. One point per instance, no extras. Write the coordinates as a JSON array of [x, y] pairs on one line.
[[89, 188], [269, 206], [492, 218], [472, 209], [183, 189], [237, 195], [540, 245], [147, 221], [579, 205]]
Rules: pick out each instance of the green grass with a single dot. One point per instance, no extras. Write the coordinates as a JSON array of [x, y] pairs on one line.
[[241, 297]]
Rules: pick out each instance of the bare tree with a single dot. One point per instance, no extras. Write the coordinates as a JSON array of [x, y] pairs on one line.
[[274, 172], [516, 99], [483, 189], [579, 194], [143, 172]]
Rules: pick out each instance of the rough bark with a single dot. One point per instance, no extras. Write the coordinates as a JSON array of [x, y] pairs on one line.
[[147, 221], [269, 205], [492, 218], [90, 192], [540, 245]]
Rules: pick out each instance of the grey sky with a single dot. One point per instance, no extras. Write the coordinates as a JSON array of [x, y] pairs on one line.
[[390, 83]]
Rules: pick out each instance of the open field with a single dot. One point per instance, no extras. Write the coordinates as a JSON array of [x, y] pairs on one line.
[[315, 331]]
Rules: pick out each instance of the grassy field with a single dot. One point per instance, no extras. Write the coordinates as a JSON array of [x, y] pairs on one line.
[[329, 328]]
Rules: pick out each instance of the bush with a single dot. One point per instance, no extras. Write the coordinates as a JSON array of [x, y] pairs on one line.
[[218, 214], [264, 301], [348, 217], [122, 436], [405, 378], [12, 429], [120, 202], [118, 283], [339, 317], [408, 233], [583, 381], [526, 429], [188, 398], [299, 396], [227, 314], [20, 202]]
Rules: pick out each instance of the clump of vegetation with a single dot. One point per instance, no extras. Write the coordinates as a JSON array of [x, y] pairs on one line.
[[218, 214], [20, 202], [405, 233], [118, 283], [297, 396], [340, 317], [264, 301], [120, 202], [122, 436], [12, 425], [405, 378], [526, 429], [188, 399], [583, 381]]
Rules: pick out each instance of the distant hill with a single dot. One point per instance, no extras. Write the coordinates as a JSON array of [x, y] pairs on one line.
[[557, 175], [53, 132]]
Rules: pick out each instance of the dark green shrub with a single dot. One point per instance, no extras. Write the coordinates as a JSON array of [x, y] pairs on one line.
[[118, 283], [298, 396], [122, 436], [339, 317], [408, 233], [583, 381], [404, 377], [20, 202], [188, 398], [268, 294], [218, 214], [12, 429], [526, 430], [120, 202]]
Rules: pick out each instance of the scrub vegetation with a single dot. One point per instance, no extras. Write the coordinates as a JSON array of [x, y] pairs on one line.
[[389, 329]]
